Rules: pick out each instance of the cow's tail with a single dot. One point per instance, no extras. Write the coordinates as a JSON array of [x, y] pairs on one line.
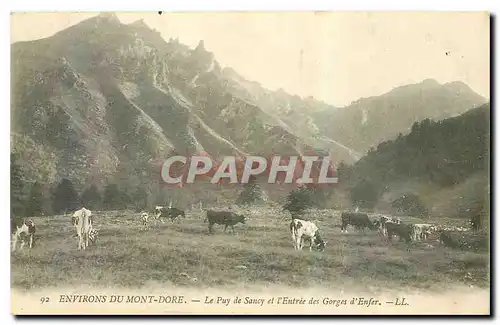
[[292, 227]]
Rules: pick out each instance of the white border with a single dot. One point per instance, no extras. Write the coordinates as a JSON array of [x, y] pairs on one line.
[[183, 5]]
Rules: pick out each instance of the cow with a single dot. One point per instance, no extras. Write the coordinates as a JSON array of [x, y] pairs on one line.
[[302, 230], [20, 230], [356, 219], [421, 231], [157, 211], [83, 224], [446, 239], [396, 220], [82, 210], [171, 213], [225, 218], [403, 231], [380, 225]]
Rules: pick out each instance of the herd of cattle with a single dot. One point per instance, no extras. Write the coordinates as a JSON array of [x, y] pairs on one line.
[[301, 230]]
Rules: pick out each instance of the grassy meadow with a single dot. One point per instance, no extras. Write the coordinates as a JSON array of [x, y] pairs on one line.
[[260, 252]]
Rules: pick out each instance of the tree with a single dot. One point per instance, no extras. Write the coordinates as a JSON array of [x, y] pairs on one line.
[[251, 193], [298, 201], [113, 198], [91, 198], [65, 197], [140, 199], [34, 202], [364, 194], [410, 204], [16, 187]]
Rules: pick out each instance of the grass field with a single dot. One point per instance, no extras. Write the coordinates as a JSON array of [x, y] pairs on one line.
[[259, 253]]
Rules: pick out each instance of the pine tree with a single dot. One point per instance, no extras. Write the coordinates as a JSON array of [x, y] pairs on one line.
[[364, 194], [34, 202], [16, 187], [65, 197], [112, 198], [298, 201], [251, 194], [140, 199], [91, 198]]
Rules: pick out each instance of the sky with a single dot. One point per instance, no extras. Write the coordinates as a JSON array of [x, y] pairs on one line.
[[337, 57]]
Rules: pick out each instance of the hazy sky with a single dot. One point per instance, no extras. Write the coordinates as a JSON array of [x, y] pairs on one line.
[[336, 57]]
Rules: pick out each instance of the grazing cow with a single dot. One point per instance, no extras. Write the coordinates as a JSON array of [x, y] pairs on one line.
[[83, 225], [306, 230], [225, 218], [171, 213], [380, 225], [446, 239], [421, 231], [396, 220], [157, 211], [404, 232], [356, 219], [22, 229]]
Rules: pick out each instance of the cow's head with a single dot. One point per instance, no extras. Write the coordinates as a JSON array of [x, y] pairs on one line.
[[241, 218], [31, 226], [319, 243], [94, 233], [74, 220], [374, 225]]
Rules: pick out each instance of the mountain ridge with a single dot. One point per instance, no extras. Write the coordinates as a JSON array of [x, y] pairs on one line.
[[106, 99]]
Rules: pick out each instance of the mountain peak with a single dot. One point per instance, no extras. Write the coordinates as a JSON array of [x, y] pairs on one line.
[[430, 82], [139, 23], [200, 47], [109, 16], [456, 84]]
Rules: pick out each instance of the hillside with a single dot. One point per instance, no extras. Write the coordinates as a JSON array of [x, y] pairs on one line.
[[450, 157], [107, 99], [105, 102], [369, 121]]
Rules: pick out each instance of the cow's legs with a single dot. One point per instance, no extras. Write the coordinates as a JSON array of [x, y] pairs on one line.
[[22, 244], [225, 227], [294, 241], [210, 226], [300, 242], [31, 240], [14, 242], [232, 227]]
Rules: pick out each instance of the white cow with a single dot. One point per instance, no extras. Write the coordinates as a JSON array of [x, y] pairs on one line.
[[382, 228], [421, 231], [83, 224], [306, 230], [158, 210], [20, 229]]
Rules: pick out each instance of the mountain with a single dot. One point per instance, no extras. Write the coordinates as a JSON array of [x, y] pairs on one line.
[[369, 121], [103, 101], [445, 163]]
